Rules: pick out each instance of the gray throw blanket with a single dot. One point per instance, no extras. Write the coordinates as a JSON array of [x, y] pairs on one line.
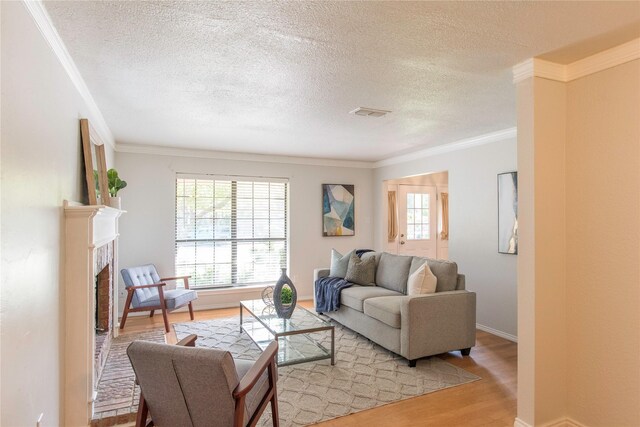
[[327, 292]]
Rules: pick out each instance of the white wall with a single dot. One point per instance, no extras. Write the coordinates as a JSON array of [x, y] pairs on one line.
[[41, 165], [473, 224], [147, 230]]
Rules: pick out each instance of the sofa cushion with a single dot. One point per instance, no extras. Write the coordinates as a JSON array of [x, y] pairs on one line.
[[374, 255], [422, 281], [385, 309], [361, 271], [339, 264], [445, 271], [355, 296], [393, 272]]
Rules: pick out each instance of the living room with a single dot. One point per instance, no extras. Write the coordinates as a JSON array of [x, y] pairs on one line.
[[473, 104]]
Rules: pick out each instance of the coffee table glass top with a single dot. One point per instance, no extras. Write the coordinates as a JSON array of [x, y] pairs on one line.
[[298, 337]]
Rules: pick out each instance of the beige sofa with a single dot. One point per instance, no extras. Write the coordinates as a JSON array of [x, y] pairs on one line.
[[411, 326]]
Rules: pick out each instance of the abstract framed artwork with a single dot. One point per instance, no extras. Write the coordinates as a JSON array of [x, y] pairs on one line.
[[338, 210], [508, 213]]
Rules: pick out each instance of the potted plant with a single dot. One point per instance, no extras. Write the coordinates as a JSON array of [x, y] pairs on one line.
[[115, 184], [286, 296]]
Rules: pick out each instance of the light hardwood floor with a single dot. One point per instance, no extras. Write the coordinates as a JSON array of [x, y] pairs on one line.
[[490, 401]]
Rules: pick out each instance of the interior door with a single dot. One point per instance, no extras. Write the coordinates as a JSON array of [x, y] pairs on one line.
[[417, 220]]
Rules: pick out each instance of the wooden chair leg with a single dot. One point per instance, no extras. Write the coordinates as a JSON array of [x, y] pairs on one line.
[[151, 314], [163, 307], [191, 310], [166, 319], [274, 399], [238, 418], [126, 309], [143, 411]]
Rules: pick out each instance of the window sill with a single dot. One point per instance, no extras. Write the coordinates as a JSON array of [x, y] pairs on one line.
[[230, 291]]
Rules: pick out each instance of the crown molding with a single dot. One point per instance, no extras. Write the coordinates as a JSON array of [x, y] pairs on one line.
[[246, 157], [600, 61], [453, 146], [539, 68], [39, 14], [606, 59]]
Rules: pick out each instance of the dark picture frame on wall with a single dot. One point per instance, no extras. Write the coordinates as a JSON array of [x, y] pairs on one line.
[[508, 213], [338, 210]]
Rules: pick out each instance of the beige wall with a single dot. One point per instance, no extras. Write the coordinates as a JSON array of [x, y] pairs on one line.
[[526, 254], [41, 165], [603, 249], [578, 268]]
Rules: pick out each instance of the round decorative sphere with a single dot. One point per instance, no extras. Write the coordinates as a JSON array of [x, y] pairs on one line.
[[267, 295]]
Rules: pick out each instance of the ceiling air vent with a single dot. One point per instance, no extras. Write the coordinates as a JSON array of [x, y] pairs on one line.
[[371, 112]]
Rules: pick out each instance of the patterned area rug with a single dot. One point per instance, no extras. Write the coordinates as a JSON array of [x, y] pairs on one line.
[[365, 375]]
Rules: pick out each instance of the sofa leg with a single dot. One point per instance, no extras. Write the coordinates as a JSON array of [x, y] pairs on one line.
[[412, 363], [465, 351]]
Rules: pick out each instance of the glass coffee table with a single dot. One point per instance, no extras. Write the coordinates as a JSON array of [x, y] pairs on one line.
[[298, 337]]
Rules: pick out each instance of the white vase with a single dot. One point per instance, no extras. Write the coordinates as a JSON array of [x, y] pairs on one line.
[[115, 202]]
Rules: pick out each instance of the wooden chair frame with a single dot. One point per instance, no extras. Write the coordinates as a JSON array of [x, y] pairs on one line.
[[265, 361], [162, 306]]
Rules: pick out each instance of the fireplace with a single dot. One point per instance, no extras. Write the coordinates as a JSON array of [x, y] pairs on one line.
[[91, 322], [103, 300], [103, 313]]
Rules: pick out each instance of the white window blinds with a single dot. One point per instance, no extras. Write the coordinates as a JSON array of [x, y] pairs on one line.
[[230, 231]]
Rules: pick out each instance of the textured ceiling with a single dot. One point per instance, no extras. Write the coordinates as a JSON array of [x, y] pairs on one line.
[[281, 77]]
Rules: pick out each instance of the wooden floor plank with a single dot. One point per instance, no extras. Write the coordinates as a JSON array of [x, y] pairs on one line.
[[490, 401]]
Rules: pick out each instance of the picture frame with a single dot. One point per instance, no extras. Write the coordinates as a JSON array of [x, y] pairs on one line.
[[95, 165], [508, 213], [338, 210]]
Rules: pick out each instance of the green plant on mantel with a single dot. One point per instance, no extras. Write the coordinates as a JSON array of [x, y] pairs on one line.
[[115, 183]]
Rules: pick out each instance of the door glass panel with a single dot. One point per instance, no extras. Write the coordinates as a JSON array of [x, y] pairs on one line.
[[418, 216]]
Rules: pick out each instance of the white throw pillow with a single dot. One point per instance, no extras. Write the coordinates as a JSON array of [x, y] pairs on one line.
[[422, 281], [339, 264]]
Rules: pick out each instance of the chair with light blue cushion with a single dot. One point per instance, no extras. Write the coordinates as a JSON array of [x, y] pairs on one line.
[[145, 293]]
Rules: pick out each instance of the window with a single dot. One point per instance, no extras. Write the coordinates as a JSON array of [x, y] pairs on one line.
[[230, 231], [418, 216]]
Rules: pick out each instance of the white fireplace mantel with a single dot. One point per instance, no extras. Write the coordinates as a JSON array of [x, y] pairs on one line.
[[86, 229]]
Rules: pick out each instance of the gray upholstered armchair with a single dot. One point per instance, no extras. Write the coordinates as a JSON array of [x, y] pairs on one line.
[[199, 387], [145, 293]]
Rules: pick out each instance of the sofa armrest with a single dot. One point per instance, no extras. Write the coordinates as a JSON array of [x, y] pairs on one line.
[[319, 273], [437, 323]]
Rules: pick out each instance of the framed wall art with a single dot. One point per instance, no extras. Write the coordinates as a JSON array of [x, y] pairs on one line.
[[338, 210], [508, 213]]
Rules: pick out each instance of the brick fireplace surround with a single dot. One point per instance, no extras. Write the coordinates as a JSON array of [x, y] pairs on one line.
[[104, 291]]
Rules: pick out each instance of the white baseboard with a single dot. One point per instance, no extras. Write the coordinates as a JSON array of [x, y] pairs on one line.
[[563, 422], [498, 333]]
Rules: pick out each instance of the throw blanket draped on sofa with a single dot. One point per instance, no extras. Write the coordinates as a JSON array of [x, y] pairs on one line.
[[327, 292]]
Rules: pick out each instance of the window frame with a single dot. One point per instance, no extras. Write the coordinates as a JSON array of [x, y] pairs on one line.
[[233, 239]]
